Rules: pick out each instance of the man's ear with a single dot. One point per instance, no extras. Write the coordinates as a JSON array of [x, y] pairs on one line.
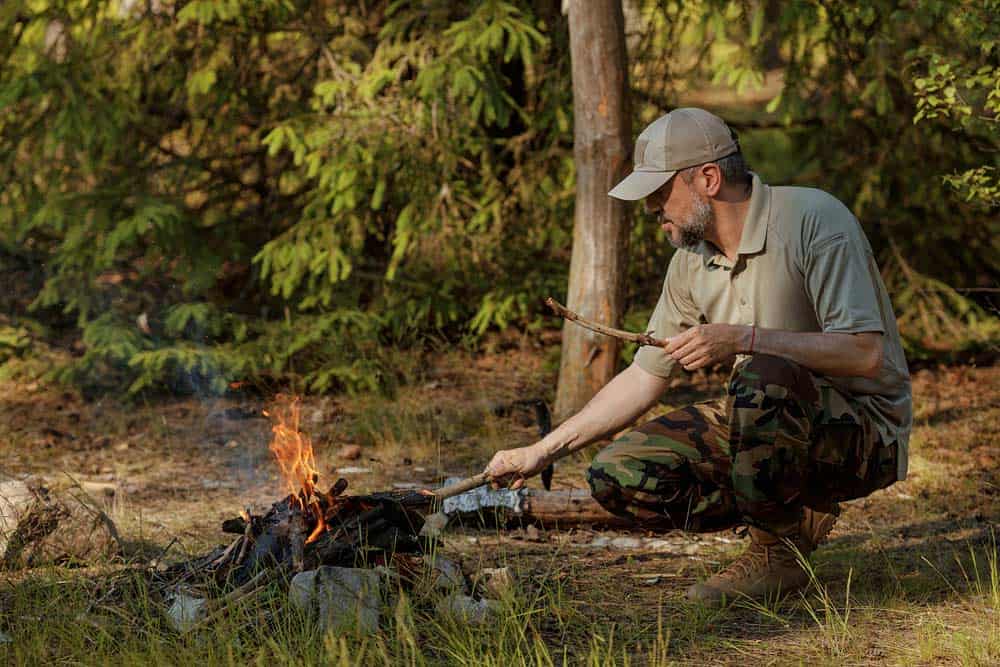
[[711, 178]]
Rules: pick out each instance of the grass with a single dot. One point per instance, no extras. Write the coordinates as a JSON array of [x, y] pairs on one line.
[[910, 578], [60, 615]]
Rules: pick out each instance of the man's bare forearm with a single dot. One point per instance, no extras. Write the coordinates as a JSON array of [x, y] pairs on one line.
[[831, 354], [629, 394]]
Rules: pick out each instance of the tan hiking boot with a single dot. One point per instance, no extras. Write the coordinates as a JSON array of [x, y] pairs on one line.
[[770, 565], [815, 526]]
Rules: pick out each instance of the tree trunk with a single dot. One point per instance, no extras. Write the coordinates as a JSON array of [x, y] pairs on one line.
[[600, 228]]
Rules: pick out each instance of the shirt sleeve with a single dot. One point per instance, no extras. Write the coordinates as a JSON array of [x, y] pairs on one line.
[[675, 311], [841, 279]]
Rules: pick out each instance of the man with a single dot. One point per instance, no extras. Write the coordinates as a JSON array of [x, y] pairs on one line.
[[818, 407]]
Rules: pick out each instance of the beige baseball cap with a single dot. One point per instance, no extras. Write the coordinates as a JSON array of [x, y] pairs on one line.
[[680, 139]]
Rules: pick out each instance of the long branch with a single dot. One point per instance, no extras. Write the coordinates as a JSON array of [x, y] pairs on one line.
[[641, 338]]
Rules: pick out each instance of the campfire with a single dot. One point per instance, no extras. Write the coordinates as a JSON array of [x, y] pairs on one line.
[[310, 527], [315, 539]]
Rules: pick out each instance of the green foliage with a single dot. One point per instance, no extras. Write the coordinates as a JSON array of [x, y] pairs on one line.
[[963, 88], [283, 191], [279, 190], [13, 341]]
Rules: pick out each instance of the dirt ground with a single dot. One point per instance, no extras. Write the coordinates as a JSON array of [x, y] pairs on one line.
[[171, 470]]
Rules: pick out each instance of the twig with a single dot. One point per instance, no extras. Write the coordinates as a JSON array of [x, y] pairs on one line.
[[248, 537], [159, 559], [217, 607], [641, 338], [224, 556]]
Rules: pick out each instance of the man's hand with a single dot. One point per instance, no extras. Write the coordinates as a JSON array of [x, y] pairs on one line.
[[510, 467], [706, 344]]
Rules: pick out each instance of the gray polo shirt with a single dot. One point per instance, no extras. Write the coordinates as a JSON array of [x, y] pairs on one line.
[[804, 264]]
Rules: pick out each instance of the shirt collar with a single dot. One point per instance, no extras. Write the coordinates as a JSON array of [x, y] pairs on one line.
[[754, 226]]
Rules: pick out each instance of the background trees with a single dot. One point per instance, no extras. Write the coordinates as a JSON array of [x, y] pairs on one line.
[[193, 193]]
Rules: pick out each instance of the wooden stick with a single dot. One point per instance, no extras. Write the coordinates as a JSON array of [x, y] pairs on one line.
[[461, 487], [641, 338], [248, 538], [217, 607]]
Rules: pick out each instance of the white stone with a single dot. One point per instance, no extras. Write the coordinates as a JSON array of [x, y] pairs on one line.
[[659, 545], [186, 612], [600, 542], [15, 502], [342, 598], [467, 610], [626, 543]]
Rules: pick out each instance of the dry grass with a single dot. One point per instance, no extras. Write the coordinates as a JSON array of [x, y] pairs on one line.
[[909, 578]]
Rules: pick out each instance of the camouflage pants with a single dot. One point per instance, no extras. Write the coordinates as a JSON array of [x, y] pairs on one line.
[[779, 440]]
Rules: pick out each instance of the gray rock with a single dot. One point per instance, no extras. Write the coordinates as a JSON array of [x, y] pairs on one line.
[[600, 542], [446, 574], [186, 612], [342, 598], [467, 610], [434, 525]]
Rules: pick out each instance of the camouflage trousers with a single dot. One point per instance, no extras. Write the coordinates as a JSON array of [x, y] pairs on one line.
[[780, 439]]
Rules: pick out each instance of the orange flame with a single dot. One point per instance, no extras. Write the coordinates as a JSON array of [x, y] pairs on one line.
[[293, 451]]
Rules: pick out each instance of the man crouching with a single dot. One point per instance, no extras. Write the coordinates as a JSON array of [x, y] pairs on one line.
[[818, 407]]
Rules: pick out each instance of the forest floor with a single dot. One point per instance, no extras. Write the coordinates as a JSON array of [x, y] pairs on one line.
[[909, 576]]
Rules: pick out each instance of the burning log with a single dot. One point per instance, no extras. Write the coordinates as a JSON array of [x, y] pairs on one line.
[[332, 529]]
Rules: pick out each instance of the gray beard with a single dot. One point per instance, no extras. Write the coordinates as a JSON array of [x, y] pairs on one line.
[[692, 230]]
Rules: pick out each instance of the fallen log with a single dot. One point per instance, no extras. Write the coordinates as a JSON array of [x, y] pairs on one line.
[[572, 507]]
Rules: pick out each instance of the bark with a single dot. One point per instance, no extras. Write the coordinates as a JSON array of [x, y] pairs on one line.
[[574, 507], [600, 227]]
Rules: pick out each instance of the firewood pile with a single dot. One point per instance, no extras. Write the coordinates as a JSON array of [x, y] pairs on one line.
[[301, 533]]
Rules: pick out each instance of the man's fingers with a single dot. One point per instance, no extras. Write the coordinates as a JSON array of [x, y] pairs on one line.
[[697, 363], [687, 350], [496, 467], [687, 357], [678, 341]]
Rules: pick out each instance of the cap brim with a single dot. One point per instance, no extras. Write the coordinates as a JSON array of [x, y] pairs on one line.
[[640, 184]]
